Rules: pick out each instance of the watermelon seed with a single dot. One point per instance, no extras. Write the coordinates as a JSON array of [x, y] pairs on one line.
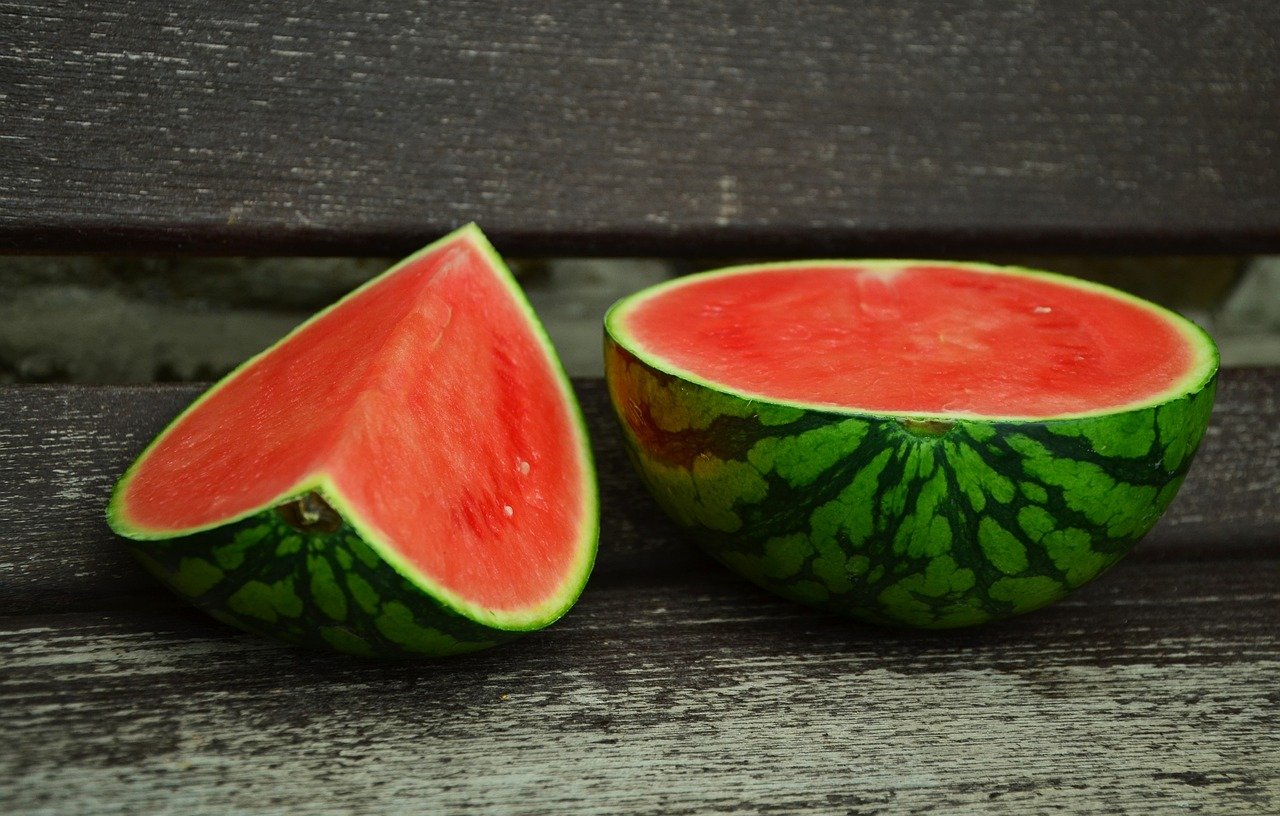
[[310, 514]]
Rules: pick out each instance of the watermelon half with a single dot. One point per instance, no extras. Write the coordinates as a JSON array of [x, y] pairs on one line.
[[405, 473], [909, 442]]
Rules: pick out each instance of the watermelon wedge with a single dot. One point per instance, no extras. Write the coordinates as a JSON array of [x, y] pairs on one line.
[[909, 442], [405, 473]]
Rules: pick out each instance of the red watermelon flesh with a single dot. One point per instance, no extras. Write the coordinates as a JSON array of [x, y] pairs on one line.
[[428, 409], [915, 338]]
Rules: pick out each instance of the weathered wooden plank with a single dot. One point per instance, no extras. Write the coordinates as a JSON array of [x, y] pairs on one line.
[[690, 694], [754, 127], [62, 448]]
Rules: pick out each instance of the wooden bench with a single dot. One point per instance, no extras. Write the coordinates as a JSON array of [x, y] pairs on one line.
[[577, 128]]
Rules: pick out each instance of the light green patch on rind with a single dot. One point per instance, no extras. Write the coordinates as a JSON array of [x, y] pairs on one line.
[[1026, 594], [932, 582], [325, 591], [362, 551], [853, 511], [1181, 424], [1072, 552], [365, 596], [266, 602], [397, 624], [1124, 435], [344, 558], [1003, 549], [1035, 521], [286, 600], [914, 598], [831, 566], [925, 532], [962, 580], [254, 600], [289, 545], [1034, 492], [231, 556], [195, 576], [1124, 509], [979, 431], [900, 602], [721, 485], [785, 555], [964, 612], [977, 479], [943, 575], [772, 415], [802, 458], [707, 493], [782, 558], [918, 463]]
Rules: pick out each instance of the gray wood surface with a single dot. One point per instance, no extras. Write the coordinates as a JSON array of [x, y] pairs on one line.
[[672, 687], [811, 128]]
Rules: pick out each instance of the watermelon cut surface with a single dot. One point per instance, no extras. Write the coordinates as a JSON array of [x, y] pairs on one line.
[[922, 443], [405, 472]]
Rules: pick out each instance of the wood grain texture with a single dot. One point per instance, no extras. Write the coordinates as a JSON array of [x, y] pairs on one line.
[[687, 696], [672, 687], [755, 127]]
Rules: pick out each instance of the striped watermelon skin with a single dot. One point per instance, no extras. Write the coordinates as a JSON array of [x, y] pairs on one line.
[[320, 589], [928, 523]]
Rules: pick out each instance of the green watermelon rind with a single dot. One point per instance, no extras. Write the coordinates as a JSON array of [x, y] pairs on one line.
[[148, 543], [319, 590], [905, 519], [1205, 366]]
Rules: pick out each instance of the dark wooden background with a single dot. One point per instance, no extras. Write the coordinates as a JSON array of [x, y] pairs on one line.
[[580, 127]]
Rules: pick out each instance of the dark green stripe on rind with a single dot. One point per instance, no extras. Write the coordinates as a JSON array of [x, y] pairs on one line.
[[931, 524], [321, 590]]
